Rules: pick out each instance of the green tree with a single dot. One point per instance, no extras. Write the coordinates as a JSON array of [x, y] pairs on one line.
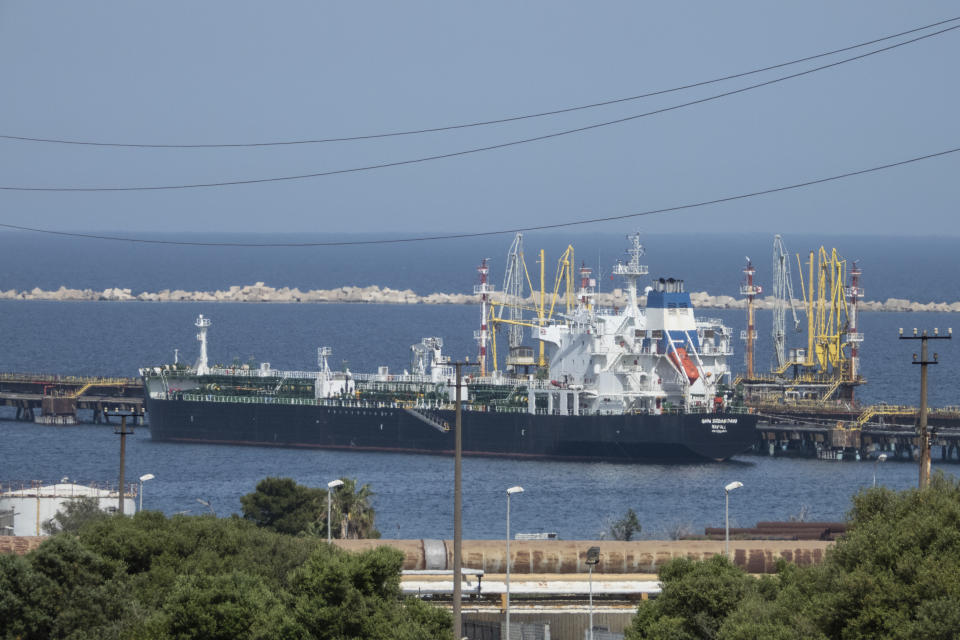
[[893, 575], [76, 513], [344, 595], [282, 505], [626, 527], [352, 514], [230, 606], [61, 589], [695, 600], [157, 550], [149, 576]]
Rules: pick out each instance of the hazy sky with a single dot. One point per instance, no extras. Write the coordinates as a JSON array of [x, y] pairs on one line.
[[227, 71]]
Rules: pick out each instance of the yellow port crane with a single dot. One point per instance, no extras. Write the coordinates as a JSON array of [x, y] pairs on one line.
[[826, 312]]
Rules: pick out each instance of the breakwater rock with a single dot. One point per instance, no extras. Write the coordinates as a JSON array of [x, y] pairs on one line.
[[261, 292]]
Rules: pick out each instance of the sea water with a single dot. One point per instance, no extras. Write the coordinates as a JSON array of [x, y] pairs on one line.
[[414, 494]]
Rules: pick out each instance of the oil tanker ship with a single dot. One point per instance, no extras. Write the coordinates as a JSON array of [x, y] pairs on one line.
[[637, 384]]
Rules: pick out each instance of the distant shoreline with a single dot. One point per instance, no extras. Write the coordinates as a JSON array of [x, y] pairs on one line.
[[262, 293]]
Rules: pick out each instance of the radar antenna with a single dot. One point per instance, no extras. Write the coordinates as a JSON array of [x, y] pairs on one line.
[[632, 271]]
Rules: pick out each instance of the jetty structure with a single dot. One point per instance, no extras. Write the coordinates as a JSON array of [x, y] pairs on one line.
[[57, 399], [823, 377], [807, 402]]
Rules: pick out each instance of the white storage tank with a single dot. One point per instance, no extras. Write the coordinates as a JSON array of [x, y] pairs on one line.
[[35, 503]]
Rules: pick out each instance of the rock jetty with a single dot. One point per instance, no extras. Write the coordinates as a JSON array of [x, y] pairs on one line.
[[261, 292]]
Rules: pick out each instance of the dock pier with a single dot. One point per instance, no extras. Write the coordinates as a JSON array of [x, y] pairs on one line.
[[56, 400], [860, 435]]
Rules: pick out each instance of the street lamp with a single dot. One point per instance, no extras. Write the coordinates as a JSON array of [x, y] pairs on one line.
[[880, 458], [510, 492], [207, 504], [150, 476], [593, 557], [726, 490], [333, 484]]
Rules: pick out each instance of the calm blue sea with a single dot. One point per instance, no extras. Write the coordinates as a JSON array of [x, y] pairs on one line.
[[414, 493]]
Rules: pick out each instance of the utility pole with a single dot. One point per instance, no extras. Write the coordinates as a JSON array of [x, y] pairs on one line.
[[922, 427], [457, 509], [123, 433]]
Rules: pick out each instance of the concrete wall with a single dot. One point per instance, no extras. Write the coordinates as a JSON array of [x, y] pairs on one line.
[[569, 556]]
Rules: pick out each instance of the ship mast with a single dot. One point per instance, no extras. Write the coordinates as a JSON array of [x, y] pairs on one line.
[[202, 324], [484, 289], [854, 292], [323, 362], [631, 271], [751, 291], [587, 287]]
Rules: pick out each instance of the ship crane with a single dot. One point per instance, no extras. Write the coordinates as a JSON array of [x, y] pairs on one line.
[[513, 298], [782, 295], [513, 291]]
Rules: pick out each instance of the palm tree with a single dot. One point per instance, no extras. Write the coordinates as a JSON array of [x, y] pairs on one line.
[[352, 514]]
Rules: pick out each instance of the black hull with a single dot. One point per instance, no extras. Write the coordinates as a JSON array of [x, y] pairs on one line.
[[613, 438]]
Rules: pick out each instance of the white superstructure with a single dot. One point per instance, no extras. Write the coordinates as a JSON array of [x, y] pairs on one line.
[[635, 360]]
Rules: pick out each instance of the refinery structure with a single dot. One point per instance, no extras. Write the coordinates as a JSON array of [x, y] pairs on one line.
[[822, 375]]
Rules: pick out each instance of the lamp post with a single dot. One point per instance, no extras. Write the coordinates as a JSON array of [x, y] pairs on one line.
[[333, 484], [726, 490], [510, 492], [143, 478], [880, 458], [593, 557]]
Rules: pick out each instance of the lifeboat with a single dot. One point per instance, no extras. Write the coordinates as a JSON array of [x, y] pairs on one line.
[[680, 358]]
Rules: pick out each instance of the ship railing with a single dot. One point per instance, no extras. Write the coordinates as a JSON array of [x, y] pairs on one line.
[[261, 373], [211, 397], [393, 377], [74, 380], [715, 351], [344, 403], [708, 323]]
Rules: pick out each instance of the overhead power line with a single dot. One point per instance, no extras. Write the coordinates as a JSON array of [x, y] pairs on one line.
[[482, 123], [464, 152], [478, 234]]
